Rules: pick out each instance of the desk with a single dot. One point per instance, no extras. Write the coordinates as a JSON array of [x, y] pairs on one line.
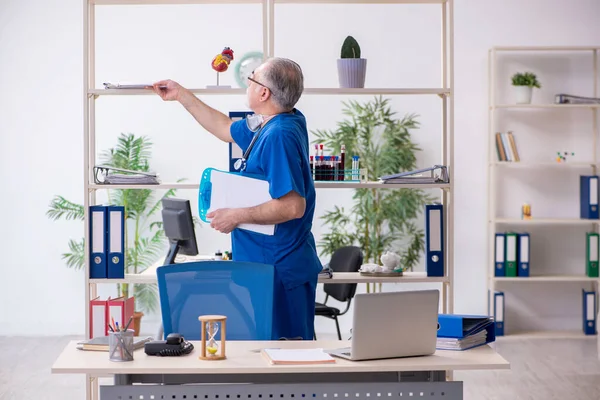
[[149, 275], [245, 374]]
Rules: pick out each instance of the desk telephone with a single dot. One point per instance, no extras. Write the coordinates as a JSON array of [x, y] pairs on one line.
[[175, 345]]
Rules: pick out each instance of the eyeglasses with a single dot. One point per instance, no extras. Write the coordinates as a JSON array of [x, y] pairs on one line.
[[257, 82]]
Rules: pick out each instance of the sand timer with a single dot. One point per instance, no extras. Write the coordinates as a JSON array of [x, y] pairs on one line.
[[210, 326]]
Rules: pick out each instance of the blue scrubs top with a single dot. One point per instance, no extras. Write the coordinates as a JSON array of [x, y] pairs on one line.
[[281, 156]]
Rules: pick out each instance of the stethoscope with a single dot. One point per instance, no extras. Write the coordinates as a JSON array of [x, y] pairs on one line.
[[240, 164]]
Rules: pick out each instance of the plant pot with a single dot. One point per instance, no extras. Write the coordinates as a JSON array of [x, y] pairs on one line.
[[137, 322], [352, 72], [523, 94]]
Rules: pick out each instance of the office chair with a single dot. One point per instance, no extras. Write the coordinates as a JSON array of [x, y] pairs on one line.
[[344, 259], [241, 291]]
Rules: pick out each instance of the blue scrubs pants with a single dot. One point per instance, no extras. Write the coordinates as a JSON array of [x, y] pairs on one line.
[[293, 310]]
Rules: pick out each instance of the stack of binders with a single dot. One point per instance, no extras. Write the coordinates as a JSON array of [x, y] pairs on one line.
[[511, 254], [102, 312], [107, 242], [462, 332]]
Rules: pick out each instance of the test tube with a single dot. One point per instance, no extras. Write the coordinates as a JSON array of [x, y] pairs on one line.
[[312, 166], [342, 164], [355, 168]]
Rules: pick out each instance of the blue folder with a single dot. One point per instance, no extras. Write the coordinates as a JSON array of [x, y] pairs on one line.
[[588, 197], [461, 326]]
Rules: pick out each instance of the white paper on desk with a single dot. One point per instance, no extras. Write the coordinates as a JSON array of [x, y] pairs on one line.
[[237, 191]]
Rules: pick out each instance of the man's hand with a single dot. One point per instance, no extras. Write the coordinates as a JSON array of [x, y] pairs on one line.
[[224, 219], [173, 90], [212, 120]]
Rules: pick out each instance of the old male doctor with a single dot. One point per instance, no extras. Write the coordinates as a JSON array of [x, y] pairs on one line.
[[275, 145]]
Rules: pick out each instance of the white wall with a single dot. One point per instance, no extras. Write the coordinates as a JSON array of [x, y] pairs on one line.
[[41, 114]]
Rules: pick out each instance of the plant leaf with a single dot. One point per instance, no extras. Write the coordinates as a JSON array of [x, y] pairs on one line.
[[76, 258], [61, 207]]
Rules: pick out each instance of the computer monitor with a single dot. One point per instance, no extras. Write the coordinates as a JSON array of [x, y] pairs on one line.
[[179, 228]]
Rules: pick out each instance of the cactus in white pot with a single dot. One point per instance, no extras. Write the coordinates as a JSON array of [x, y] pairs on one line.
[[352, 68]]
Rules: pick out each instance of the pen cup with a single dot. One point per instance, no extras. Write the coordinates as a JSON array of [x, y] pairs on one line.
[[120, 345]]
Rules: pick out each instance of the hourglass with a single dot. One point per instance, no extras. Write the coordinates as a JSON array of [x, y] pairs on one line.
[[210, 326]]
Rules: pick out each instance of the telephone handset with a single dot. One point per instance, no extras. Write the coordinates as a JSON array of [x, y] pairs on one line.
[[175, 345]]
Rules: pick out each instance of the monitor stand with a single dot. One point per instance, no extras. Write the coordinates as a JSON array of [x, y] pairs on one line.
[[170, 259]]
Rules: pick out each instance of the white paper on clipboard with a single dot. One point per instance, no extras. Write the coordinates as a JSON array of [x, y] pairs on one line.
[[219, 189]]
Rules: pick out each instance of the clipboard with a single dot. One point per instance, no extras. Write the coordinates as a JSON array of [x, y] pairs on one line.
[[221, 189]]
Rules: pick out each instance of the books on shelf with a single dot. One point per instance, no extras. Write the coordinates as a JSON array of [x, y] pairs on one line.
[[506, 147]]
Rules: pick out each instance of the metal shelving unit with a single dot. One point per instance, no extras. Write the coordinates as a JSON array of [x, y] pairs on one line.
[[496, 223], [91, 94]]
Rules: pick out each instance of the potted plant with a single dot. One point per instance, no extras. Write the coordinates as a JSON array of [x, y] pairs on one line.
[[524, 84], [145, 240], [380, 220], [351, 68]]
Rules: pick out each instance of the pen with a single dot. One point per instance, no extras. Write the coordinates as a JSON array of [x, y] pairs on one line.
[[128, 322], [117, 326]]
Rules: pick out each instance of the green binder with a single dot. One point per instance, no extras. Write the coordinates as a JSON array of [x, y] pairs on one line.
[[510, 254], [591, 256]]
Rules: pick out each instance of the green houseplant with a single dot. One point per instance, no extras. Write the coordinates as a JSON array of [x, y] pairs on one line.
[[145, 239], [381, 219], [524, 82], [352, 69]]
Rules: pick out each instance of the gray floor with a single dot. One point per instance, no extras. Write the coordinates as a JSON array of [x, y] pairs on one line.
[[541, 369]]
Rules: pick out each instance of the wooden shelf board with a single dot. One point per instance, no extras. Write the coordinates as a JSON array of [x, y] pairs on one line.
[[307, 91], [165, 186], [546, 221], [318, 185], [546, 48], [552, 106], [169, 2], [521, 164], [546, 335], [546, 278], [340, 277], [360, 1]]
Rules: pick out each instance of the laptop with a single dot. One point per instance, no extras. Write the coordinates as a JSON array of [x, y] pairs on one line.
[[392, 325]]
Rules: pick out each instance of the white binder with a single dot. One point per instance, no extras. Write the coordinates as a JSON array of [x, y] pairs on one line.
[[220, 189]]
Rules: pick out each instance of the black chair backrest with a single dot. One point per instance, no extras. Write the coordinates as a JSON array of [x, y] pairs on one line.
[[344, 259]]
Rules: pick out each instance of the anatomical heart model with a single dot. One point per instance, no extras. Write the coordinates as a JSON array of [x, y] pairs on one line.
[[221, 63]]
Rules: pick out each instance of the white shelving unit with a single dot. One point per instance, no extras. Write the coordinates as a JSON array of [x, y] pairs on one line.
[[496, 167], [91, 94]]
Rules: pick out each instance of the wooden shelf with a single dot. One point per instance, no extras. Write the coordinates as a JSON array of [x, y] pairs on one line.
[[546, 278], [379, 185], [359, 1], [547, 335], [546, 221], [166, 185], [168, 2], [307, 91], [521, 164], [546, 48], [340, 277], [552, 106], [318, 185]]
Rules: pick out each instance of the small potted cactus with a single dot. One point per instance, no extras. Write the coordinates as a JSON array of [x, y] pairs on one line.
[[524, 84], [351, 68]]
